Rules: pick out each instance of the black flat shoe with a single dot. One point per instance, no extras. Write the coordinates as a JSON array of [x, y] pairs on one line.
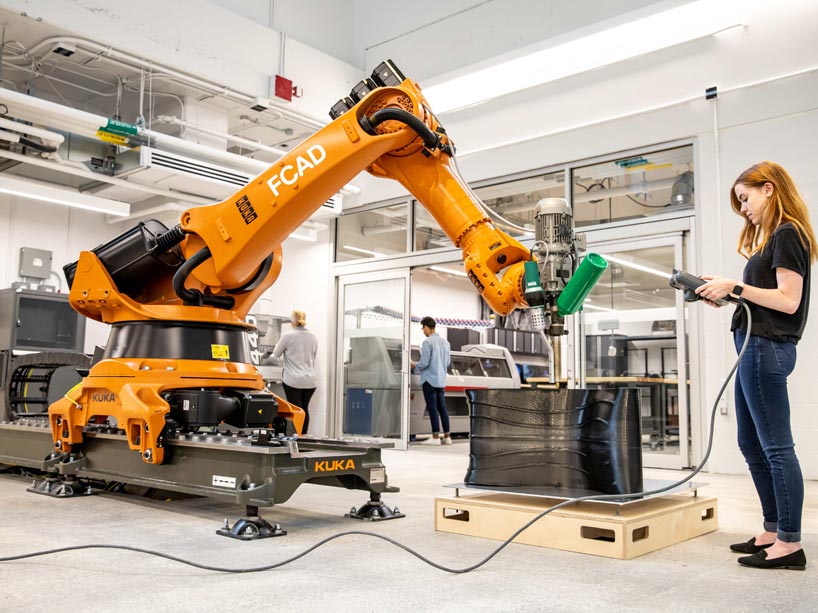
[[796, 560], [749, 547]]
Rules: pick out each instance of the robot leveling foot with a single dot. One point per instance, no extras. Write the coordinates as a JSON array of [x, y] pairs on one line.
[[374, 510], [251, 528], [60, 487]]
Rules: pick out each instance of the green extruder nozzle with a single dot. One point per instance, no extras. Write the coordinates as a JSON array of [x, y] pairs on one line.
[[533, 291], [581, 284]]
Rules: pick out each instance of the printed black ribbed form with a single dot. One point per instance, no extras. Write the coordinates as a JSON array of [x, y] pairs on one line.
[[587, 439]]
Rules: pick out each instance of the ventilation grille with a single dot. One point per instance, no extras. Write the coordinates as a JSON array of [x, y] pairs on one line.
[[180, 164], [333, 204]]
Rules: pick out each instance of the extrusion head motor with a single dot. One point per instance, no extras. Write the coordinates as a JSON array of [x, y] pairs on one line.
[[554, 224], [555, 243]]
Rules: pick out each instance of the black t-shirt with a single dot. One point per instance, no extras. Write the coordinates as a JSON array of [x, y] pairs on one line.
[[783, 250]]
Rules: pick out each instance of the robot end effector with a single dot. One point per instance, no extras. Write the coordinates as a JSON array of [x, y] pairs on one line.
[[553, 284]]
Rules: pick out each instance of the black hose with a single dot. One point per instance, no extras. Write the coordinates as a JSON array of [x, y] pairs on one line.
[[430, 139], [194, 297], [35, 145], [261, 273], [169, 239]]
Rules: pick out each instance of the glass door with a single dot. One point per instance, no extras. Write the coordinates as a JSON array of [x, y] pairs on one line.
[[372, 333], [633, 335]]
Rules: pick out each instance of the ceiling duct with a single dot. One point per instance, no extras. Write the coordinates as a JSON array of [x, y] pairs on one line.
[[157, 168], [165, 169], [331, 208], [186, 174]]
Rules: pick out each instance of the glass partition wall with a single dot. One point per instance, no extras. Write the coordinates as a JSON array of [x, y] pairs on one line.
[[373, 233], [634, 333], [635, 337], [372, 344], [633, 187]]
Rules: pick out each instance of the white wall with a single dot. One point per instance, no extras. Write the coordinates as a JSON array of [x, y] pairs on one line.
[[60, 229], [326, 25], [783, 139]]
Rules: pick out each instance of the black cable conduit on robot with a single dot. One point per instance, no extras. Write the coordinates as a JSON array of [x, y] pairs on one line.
[[176, 235], [409, 550], [193, 296], [430, 139]]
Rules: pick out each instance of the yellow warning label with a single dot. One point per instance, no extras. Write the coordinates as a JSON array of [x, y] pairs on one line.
[[220, 352], [114, 139]]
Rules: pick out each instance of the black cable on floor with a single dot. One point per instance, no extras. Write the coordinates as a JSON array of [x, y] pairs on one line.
[[409, 550]]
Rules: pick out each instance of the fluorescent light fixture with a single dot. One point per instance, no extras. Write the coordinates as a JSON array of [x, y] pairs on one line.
[[365, 251], [620, 42], [449, 271], [305, 234], [627, 264], [47, 193], [585, 305]]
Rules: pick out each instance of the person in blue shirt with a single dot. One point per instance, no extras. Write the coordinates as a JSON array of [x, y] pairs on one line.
[[435, 357]]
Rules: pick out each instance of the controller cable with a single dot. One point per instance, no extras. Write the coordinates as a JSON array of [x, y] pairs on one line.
[[503, 545]]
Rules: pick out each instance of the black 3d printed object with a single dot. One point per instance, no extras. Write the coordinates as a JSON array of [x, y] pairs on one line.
[[580, 439]]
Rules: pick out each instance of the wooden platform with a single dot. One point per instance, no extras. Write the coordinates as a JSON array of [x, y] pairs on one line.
[[612, 531]]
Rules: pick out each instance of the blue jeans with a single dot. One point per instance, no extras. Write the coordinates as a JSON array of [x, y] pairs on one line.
[[764, 433], [436, 402]]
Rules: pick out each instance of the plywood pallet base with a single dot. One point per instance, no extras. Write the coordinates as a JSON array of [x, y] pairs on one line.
[[612, 531]]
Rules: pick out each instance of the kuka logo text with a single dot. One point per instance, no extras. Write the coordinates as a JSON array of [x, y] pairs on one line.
[[245, 207], [324, 466], [102, 397]]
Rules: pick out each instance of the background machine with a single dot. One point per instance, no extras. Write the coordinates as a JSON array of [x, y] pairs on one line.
[[178, 358], [372, 379]]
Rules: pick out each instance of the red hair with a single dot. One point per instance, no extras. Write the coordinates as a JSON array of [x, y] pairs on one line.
[[785, 206]]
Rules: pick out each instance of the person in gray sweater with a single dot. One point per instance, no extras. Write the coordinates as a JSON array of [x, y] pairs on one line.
[[297, 350]]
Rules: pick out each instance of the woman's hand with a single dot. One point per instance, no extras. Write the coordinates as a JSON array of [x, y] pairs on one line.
[[716, 288]]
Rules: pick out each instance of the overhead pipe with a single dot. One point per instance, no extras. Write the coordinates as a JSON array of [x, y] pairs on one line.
[[88, 124], [36, 109], [47, 136], [9, 137], [39, 73], [13, 137], [78, 170], [109, 53], [225, 135]]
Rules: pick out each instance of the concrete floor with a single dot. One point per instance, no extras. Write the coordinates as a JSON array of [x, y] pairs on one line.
[[359, 573]]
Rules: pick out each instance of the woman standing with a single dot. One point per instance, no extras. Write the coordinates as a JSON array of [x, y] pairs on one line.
[[298, 348], [779, 244]]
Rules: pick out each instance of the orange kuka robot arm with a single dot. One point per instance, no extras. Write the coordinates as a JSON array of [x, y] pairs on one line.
[[392, 133]]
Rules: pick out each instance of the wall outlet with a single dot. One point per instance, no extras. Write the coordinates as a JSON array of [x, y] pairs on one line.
[[723, 400]]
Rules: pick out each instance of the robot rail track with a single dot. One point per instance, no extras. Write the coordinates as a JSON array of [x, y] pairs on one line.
[[227, 467]]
